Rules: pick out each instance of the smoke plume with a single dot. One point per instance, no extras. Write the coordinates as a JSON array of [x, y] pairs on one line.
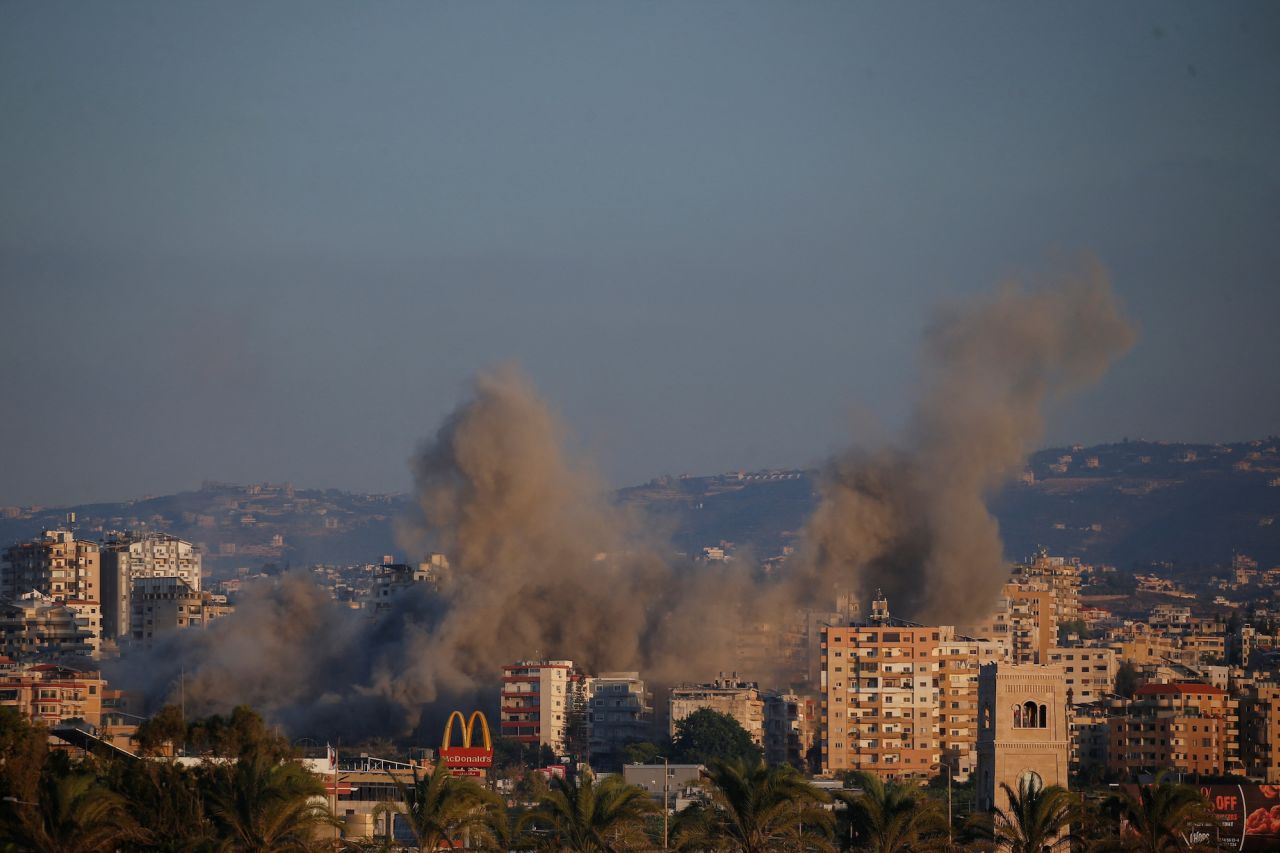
[[543, 563], [912, 519]]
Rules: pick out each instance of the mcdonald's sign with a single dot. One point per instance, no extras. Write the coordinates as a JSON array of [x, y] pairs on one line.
[[467, 757]]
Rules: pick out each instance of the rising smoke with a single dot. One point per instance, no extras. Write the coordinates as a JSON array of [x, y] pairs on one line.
[[544, 563]]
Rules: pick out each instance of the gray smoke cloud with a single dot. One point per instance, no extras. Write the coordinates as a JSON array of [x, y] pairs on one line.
[[912, 519], [544, 563]]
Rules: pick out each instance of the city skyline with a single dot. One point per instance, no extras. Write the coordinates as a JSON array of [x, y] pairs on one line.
[[247, 243]]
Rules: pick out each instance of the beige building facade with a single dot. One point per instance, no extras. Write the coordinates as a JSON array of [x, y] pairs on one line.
[[1023, 732]]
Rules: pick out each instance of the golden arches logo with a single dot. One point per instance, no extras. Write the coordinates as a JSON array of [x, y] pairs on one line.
[[468, 727]]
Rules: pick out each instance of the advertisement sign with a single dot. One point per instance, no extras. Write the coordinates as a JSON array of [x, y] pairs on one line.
[[467, 760], [1248, 817]]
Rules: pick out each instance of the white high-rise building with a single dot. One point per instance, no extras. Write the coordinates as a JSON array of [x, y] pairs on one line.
[[129, 557]]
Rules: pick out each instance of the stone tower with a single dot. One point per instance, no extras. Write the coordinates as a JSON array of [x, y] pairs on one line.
[[1022, 729]]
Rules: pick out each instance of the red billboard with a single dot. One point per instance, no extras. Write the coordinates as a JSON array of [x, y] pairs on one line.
[[1248, 817]]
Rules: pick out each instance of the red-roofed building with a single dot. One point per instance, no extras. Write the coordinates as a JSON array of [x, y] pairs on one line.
[[1186, 727]]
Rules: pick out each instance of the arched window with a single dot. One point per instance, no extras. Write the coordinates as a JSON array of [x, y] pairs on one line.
[[1029, 715], [1017, 716], [1044, 717], [986, 716]]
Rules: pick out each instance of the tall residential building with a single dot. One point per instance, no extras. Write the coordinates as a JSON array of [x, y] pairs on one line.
[[790, 729], [1187, 727], [1022, 729], [542, 702], [1041, 595], [620, 712], [1058, 575], [130, 557], [1090, 672], [959, 659], [738, 699], [57, 565], [880, 697], [1260, 732]]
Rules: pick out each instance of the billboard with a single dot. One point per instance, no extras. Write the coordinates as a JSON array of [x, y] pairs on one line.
[[467, 760], [1248, 817]]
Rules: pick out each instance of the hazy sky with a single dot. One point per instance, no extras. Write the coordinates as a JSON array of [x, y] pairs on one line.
[[251, 241]]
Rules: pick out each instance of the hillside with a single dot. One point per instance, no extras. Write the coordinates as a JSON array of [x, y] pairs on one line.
[[1116, 503]]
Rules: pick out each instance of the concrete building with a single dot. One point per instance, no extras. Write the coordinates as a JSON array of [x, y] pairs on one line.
[[1182, 727], [790, 729], [1090, 672], [543, 702], [741, 700], [38, 628], [879, 697], [1260, 732], [959, 660], [162, 604], [620, 711], [57, 565], [49, 693], [131, 557], [393, 579], [1022, 729]]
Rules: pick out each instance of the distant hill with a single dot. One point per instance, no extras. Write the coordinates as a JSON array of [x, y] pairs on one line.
[[1114, 503]]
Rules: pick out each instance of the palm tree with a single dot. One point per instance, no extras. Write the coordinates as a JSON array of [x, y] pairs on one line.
[[584, 816], [73, 813], [164, 800], [892, 818], [1160, 818], [754, 808], [1038, 818], [444, 809], [260, 805]]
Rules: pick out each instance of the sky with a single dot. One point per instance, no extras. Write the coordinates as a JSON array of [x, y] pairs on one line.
[[248, 242]]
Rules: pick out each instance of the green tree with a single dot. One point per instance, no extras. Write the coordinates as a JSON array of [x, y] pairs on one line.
[[164, 800], [443, 810], [72, 813], [706, 735], [243, 732], [1160, 818], [259, 804], [643, 752], [890, 817], [23, 748], [165, 727], [1037, 819], [755, 808], [585, 816]]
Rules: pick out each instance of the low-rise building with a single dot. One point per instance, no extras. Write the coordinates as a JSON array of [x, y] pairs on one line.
[[741, 700], [49, 694]]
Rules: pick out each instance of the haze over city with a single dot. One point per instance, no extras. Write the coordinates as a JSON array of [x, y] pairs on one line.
[[248, 242]]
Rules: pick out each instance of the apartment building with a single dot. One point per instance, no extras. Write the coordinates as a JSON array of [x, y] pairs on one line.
[[1090, 672], [880, 697], [1058, 575], [741, 700], [159, 605], [48, 693], [959, 660], [620, 711], [790, 729], [1023, 621], [543, 702], [37, 627], [1186, 727], [131, 557], [1260, 732], [57, 565]]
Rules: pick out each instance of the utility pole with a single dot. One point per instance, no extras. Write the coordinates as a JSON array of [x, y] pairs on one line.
[[666, 777]]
